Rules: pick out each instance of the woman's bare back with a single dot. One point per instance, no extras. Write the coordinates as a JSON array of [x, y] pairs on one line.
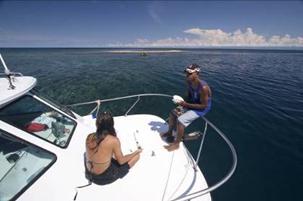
[[99, 156]]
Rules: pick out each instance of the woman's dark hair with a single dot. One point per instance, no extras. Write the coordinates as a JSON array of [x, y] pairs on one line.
[[105, 126]]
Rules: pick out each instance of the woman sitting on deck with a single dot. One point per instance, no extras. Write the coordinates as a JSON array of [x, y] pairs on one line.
[[105, 161]]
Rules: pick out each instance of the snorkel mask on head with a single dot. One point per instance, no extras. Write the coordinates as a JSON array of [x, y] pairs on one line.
[[192, 68]]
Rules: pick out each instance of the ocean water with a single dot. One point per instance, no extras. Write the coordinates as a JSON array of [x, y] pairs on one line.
[[257, 103]]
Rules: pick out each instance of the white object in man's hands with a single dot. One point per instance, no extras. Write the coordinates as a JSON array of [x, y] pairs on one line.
[[177, 99]]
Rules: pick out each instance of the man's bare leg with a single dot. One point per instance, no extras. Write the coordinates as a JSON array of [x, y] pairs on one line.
[[171, 123], [180, 134]]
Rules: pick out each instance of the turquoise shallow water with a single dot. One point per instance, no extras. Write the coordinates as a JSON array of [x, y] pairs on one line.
[[257, 103]]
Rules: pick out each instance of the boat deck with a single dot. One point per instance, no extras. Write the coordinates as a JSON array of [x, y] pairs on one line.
[[158, 175]]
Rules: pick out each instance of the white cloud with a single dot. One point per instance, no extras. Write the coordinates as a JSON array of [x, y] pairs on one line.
[[217, 38], [285, 40], [195, 37]]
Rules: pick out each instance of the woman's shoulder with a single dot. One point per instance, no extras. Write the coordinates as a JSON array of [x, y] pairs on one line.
[[91, 137], [91, 140], [111, 138]]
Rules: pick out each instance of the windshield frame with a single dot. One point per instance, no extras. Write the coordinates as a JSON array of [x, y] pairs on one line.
[[64, 109], [51, 105]]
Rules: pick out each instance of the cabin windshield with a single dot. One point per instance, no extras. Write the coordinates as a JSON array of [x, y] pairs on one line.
[[21, 164], [40, 119]]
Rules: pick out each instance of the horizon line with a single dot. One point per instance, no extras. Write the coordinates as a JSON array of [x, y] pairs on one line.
[[162, 47]]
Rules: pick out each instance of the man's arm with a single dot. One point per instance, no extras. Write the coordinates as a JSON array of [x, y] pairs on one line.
[[203, 100]]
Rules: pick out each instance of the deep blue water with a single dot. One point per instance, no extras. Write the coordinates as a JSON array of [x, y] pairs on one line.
[[257, 103]]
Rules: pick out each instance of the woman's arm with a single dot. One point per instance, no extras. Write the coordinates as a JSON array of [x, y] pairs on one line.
[[119, 155]]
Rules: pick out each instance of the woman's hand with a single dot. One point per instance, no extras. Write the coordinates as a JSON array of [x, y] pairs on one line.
[[138, 151]]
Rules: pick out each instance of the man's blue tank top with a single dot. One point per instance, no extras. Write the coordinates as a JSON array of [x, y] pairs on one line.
[[195, 97]]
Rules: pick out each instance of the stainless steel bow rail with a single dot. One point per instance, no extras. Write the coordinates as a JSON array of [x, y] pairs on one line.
[[207, 122], [10, 75]]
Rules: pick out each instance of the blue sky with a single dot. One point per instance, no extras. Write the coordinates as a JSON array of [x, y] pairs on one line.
[[150, 23]]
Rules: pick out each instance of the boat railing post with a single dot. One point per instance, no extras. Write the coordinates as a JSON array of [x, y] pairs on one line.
[[225, 178], [8, 73], [201, 145], [132, 106], [6, 70], [98, 103]]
